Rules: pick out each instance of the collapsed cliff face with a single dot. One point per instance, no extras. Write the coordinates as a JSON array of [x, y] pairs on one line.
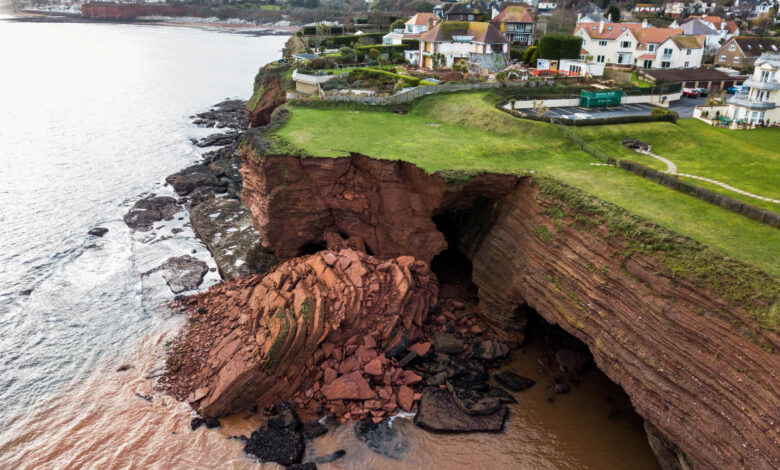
[[696, 367], [389, 205], [289, 334]]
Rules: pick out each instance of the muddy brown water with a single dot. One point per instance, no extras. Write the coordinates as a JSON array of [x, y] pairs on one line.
[[102, 423]]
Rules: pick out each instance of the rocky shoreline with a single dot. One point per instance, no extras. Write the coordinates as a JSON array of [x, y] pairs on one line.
[[364, 340]]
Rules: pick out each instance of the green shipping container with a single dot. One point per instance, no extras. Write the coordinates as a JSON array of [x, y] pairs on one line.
[[591, 99]]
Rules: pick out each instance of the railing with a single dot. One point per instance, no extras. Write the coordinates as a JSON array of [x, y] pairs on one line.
[[752, 104], [761, 84], [423, 90]]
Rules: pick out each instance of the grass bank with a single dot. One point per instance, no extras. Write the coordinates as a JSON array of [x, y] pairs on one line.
[[464, 131]]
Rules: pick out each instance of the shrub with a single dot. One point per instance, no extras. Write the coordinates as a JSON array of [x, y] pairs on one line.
[[529, 56], [347, 54]]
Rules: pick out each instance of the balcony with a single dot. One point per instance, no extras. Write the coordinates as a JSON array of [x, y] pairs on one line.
[[759, 85], [745, 102]]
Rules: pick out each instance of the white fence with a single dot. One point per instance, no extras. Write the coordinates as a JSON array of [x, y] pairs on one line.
[[423, 90]]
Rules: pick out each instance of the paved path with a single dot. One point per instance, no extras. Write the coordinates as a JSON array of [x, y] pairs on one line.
[[671, 168]]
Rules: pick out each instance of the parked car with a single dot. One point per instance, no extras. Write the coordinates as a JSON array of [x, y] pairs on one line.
[[702, 91], [736, 89], [690, 92]]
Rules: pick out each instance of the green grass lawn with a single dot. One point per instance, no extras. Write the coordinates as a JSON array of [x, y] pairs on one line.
[[464, 131], [639, 82], [748, 159]]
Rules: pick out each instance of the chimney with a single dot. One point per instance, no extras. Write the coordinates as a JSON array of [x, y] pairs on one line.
[[579, 17], [601, 26], [644, 23], [431, 22]]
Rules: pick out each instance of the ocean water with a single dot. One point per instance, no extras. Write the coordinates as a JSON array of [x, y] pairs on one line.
[[91, 115]]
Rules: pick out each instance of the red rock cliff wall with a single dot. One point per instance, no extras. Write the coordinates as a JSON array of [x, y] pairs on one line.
[[690, 372], [389, 204]]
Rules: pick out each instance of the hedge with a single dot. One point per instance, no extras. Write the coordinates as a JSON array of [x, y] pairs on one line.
[[408, 80], [383, 49], [729, 203], [559, 46], [312, 30], [339, 41]]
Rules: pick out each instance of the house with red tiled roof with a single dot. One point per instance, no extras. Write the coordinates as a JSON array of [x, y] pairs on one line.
[[715, 28], [471, 42], [516, 22], [639, 44], [413, 27]]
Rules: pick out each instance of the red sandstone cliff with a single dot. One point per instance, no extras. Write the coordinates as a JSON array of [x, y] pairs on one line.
[[270, 92], [696, 367]]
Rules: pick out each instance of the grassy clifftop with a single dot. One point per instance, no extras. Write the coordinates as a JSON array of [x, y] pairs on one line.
[[465, 132]]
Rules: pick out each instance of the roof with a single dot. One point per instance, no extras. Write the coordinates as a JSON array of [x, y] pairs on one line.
[[655, 35], [698, 27], [771, 59], [754, 47], [421, 19], [611, 30], [480, 32], [716, 21], [647, 56], [689, 42], [584, 52], [514, 14], [688, 75]]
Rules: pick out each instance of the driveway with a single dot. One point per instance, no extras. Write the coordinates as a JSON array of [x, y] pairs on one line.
[[684, 106]]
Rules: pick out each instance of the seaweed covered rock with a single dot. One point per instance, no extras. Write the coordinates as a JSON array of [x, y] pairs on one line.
[[306, 332]]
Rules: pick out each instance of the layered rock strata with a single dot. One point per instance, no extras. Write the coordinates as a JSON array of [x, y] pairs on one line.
[[314, 329], [389, 205], [698, 368]]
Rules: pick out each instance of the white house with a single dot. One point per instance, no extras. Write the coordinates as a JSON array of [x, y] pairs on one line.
[[647, 8], [412, 29], [715, 28], [761, 104], [571, 67], [639, 44], [478, 43]]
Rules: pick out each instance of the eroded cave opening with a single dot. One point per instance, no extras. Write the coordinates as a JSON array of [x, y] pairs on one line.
[[562, 364]]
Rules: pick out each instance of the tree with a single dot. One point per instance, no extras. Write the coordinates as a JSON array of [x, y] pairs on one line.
[[529, 56], [421, 6], [347, 54], [397, 24], [375, 54], [613, 13], [438, 60]]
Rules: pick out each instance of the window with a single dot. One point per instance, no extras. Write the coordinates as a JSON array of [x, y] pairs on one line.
[[686, 64], [732, 47], [625, 44], [471, 17], [665, 65], [651, 47], [603, 43], [688, 51], [736, 60], [648, 64], [723, 58], [600, 59], [668, 51]]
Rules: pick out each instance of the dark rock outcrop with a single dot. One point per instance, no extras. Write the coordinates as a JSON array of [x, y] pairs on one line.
[[145, 212], [183, 273], [439, 413], [513, 382], [97, 231]]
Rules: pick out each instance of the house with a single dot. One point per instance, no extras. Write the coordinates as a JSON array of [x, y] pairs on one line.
[[412, 29], [639, 44], [590, 13], [676, 9], [752, 8], [742, 52], [714, 27], [697, 7], [647, 8], [462, 11], [570, 67], [477, 43], [761, 104], [544, 8], [516, 23]]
